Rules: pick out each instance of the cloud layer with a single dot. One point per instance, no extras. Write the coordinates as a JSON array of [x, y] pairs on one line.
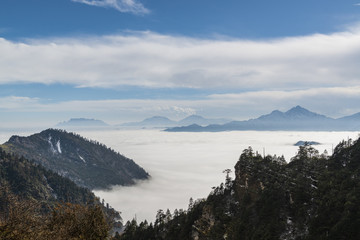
[[131, 6], [158, 61]]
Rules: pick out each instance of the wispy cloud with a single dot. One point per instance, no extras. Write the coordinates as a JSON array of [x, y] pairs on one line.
[[18, 103], [131, 6]]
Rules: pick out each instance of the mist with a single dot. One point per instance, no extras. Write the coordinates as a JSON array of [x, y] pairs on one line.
[[185, 165]]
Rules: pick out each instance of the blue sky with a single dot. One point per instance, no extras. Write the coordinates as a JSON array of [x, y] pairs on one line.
[[125, 60], [200, 18]]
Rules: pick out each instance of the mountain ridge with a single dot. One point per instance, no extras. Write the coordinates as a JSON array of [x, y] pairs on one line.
[[88, 163], [296, 118], [163, 122], [295, 113]]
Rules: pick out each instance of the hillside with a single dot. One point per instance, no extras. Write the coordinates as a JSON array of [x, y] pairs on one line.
[[31, 181], [312, 197], [87, 163], [36, 203], [295, 119]]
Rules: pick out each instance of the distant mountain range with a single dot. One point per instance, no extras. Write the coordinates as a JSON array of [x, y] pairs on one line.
[[148, 123], [163, 122], [82, 123], [87, 163], [297, 118]]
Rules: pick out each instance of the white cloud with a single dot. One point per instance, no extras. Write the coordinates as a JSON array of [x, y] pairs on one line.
[[333, 102], [181, 110], [131, 6], [286, 95], [18, 103], [160, 61]]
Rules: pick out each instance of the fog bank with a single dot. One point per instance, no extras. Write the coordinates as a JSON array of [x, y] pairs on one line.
[[184, 165]]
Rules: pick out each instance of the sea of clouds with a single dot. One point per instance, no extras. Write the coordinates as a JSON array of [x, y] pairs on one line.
[[185, 165]]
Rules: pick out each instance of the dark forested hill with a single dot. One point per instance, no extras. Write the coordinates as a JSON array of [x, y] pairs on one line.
[[36, 203], [312, 197], [87, 163], [31, 181]]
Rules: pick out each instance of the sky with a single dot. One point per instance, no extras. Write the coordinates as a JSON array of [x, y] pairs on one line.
[[126, 60]]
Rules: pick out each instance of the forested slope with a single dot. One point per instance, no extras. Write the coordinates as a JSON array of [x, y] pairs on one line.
[[36, 203]]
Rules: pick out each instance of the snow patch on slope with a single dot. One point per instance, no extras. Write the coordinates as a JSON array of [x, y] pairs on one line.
[[51, 145], [82, 159], [58, 146]]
